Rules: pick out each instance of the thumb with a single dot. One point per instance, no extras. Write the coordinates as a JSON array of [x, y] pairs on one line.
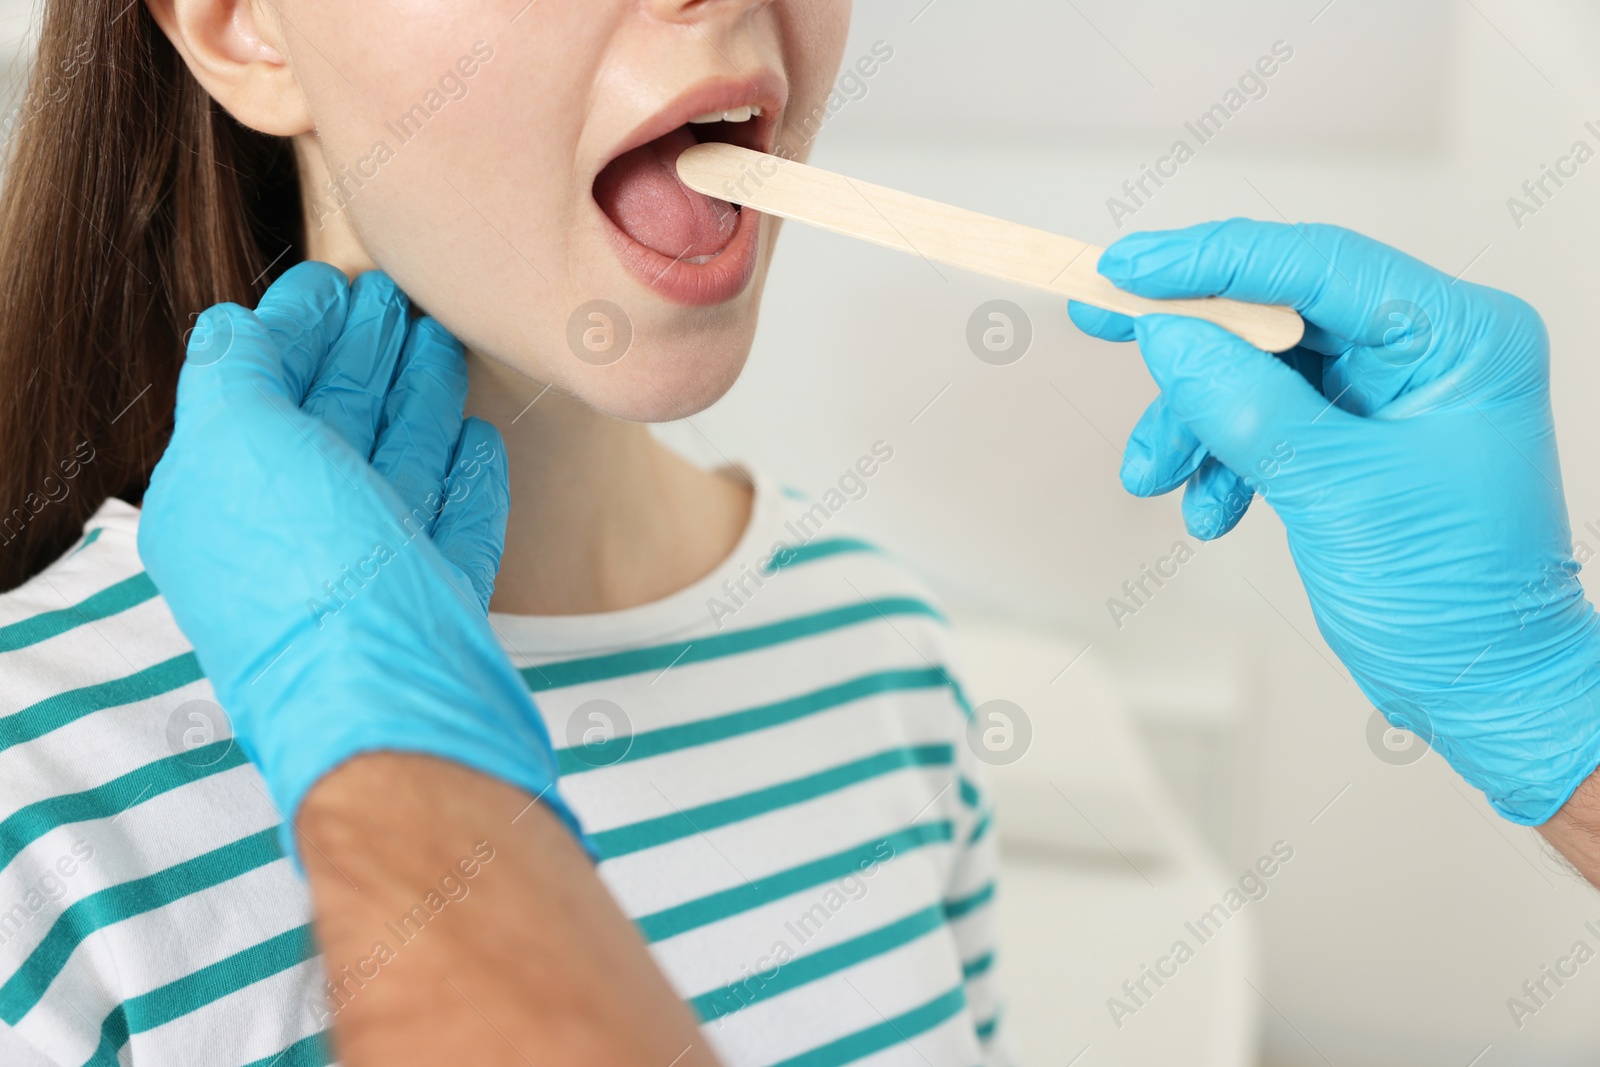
[[471, 532], [1245, 405]]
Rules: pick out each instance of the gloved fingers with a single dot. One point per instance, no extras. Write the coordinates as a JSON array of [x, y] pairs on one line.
[[421, 422], [471, 531], [232, 363], [1244, 405], [1111, 326], [1097, 322], [1162, 452], [304, 311], [1340, 281], [1323, 342], [1363, 383], [1215, 500], [1369, 376], [351, 385]]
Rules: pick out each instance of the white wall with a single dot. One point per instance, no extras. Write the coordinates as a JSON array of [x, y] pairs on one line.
[[1410, 914]]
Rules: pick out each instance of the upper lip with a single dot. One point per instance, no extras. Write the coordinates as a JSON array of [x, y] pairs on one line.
[[765, 89]]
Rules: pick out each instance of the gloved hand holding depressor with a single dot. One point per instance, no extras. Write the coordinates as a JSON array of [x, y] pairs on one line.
[[326, 528], [1409, 449]]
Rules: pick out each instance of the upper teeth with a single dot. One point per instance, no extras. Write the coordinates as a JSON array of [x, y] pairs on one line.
[[738, 114]]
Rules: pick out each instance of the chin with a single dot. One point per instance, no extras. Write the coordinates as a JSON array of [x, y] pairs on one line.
[[680, 360], [663, 382]]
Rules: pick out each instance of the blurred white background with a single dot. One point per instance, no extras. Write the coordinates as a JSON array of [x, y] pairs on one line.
[[1409, 914]]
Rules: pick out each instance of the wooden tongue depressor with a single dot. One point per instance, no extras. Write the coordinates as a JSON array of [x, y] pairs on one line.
[[954, 236]]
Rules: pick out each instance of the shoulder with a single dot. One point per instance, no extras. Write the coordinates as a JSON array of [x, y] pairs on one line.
[[94, 667], [93, 619], [137, 849], [110, 533], [104, 706]]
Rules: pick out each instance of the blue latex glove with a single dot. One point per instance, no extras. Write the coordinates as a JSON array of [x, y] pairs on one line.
[[1409, 450], [329, 543]]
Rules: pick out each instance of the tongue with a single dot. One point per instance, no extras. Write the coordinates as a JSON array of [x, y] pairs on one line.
[[641, 193]]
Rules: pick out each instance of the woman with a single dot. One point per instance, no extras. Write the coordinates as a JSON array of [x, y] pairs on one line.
[[793, 711]]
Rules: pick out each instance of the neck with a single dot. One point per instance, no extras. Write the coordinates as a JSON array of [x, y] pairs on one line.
[[603, 516]]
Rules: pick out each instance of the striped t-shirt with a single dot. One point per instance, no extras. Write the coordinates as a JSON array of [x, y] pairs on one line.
[[771, 765]]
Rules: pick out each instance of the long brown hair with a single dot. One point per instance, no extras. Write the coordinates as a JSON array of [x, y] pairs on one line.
[[130, 203]]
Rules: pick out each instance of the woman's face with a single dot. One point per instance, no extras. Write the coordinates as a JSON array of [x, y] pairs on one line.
[[509, 163]]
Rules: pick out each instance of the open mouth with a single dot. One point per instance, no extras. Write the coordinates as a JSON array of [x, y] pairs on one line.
[[692, 248]]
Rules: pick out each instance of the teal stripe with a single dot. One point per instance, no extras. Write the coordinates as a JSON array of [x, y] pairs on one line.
[[979, 830], [979, 966], [961, 698], [123, 901], [27, 825], [705, 910], [113, 1035], [638, 836], [955, 909], [89, 539], [108, 601], [310, 1051], [900, 1029], [969, 793], [207, 985], [799, 972], [217, 980], [815, 550], [720, 728], [52, 713], [735, 642], [985, 1029]]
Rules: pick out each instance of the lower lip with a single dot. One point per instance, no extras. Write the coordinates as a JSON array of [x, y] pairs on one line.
[[693, 284]]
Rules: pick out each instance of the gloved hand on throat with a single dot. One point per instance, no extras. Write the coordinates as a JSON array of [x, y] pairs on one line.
[[326, 529]]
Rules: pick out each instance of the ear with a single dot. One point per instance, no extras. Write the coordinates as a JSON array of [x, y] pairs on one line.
[[236, 51]]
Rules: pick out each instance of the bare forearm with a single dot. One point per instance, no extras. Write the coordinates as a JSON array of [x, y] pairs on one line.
[[1575, 830], [462, 924]]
